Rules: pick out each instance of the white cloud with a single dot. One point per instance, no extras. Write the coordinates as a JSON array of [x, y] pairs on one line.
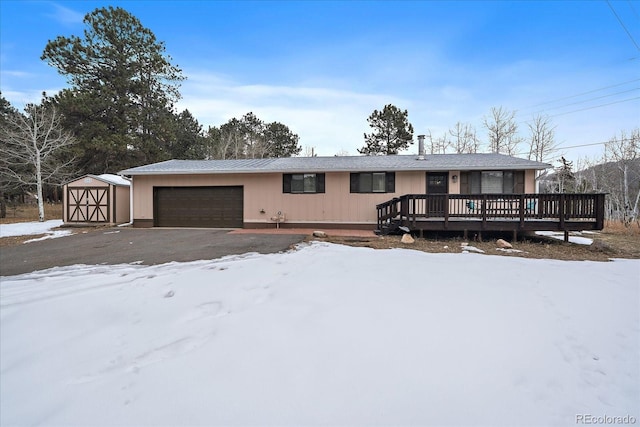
[[66, 16], [328, 119]]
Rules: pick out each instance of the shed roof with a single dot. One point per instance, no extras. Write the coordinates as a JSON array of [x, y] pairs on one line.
[[108, 178], [433, 162], [112, 179]]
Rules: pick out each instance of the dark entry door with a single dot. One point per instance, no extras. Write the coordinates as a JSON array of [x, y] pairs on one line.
[[437, 183]]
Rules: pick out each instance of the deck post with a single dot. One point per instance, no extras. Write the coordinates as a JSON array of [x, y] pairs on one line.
[[521, 212], [515, 236], [599, 208], [566, 236], [561, 211], [404, 208], [413, 210], [484, 210], [446, 211]]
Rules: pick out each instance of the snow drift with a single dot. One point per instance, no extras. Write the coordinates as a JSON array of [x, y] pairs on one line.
[[324, 335]]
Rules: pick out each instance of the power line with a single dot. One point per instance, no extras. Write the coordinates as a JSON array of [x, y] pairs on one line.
[[623, 26], [575, 146], [580, 94], [584, 109], [596, 106], [590, 99], [566, 148]]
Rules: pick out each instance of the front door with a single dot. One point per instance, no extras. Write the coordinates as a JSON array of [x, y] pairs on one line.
[[437, 183]]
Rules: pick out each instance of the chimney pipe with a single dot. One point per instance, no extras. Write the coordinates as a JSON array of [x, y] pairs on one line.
[[420, 147]]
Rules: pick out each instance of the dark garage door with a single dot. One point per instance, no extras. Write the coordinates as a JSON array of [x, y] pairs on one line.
[[197, 207]]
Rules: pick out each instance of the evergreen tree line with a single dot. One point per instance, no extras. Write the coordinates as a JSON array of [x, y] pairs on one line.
[[118, 111], [120, 103]]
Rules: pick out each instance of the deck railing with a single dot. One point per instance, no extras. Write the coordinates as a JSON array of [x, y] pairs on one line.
[[558, 207]]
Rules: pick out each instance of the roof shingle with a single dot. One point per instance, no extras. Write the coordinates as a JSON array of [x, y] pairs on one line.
[[433, 162]]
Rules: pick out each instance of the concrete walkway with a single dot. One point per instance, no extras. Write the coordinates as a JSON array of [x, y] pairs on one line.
[[305, 231]]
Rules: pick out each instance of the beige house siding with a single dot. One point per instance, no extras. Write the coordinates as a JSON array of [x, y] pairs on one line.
[[263, 193], [454, 183], [529, 181], [122, 208]]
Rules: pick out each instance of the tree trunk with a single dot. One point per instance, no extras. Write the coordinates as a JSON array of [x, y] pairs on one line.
[[39, 191], [625, 193], [3, 205]]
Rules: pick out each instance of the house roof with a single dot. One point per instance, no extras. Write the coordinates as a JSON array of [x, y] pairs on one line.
[[432, 162]]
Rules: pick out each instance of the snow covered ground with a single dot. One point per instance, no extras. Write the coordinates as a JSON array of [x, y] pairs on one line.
[[559, 235], [31, 228], [323, 335]]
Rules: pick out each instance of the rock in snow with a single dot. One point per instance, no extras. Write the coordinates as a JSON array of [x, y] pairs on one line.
[[503, 244], [319, 234], [406, 238]]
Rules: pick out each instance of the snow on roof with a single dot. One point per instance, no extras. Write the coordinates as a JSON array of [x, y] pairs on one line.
[[433, 162], [113, 179]]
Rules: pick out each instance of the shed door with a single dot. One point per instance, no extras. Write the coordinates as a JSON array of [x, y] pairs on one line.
[[206, 207], [88, 204]]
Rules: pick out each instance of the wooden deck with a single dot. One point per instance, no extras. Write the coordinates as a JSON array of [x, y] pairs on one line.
[[493, 212]]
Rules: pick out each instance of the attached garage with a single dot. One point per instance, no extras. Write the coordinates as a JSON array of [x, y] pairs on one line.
[[200, 207], [97, 199]]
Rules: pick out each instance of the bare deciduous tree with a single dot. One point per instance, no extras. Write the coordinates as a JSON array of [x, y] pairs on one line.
[[309, 151], [541, 138], [34, 149], [502, 131], [622, 151], [463, 138], [437, 145]]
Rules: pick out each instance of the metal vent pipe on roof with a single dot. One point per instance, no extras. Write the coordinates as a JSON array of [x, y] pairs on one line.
[[420, 147]]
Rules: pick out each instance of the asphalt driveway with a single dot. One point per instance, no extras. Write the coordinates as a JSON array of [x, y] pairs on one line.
[[147, 246]]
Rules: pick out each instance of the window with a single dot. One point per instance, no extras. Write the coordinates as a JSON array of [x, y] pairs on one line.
[[303, 183], [373, 182], [492, 182]]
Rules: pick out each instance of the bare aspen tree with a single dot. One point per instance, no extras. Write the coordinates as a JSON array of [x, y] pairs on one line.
[[502, 131], [463, 138], [309, 151], [541, 138], [33, 149], [624, 151], [437, 145]]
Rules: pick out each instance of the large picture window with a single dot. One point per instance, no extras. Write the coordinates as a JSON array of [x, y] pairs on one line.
[[373, 182], [492, 182], [303, 183]]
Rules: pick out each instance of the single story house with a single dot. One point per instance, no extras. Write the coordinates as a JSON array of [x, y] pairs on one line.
[[101, 199], [312, 192]]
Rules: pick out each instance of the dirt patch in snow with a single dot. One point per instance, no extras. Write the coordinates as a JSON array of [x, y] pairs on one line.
[[607, 244]]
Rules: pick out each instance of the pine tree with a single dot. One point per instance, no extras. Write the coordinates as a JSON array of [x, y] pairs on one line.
[[123, 90], [392, 132]]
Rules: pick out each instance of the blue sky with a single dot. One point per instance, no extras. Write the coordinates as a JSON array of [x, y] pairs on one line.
[[322, 67]]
